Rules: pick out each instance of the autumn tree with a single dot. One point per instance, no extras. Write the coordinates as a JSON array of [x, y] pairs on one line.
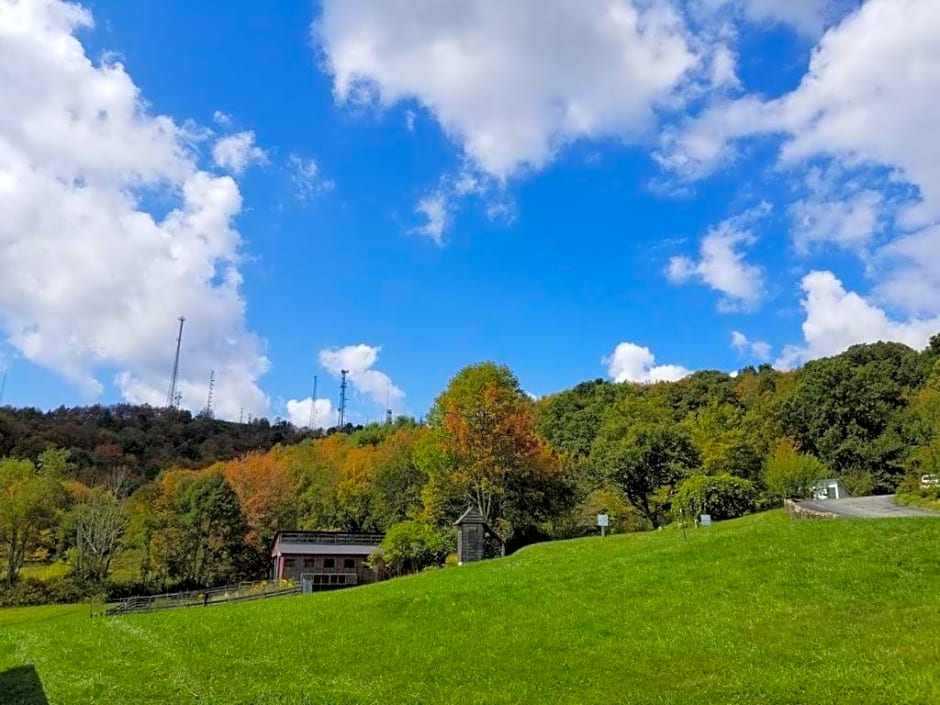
[[483, 445], [267, 491]]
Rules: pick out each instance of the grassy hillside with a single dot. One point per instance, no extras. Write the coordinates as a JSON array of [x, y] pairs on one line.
[[760, 610]]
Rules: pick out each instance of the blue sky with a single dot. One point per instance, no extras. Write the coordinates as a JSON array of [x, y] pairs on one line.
[[578, 190]]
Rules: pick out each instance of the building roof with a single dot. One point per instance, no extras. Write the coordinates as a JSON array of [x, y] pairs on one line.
[[471, 516], [330, 543]]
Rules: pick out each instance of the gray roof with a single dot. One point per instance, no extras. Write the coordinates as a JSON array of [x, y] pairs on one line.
[[328, 543], [322, 549], [471, 516]]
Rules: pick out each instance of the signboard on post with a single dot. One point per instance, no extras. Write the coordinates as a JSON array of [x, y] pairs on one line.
[[603, 522]]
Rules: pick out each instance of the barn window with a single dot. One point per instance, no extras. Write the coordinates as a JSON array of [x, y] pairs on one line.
[[349, 563], [329, 562], [310, 562]]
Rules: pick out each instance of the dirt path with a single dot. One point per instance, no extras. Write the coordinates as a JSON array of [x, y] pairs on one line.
[[879, 507]]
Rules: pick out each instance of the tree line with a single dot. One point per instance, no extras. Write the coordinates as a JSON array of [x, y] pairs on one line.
[[646, 455]]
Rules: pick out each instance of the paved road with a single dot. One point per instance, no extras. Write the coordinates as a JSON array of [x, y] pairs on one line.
[[879, 507]]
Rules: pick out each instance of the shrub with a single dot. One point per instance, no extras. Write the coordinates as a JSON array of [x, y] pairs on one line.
[[789, 474], [721, 496], [27, 592], [858, 483], [408, 547]]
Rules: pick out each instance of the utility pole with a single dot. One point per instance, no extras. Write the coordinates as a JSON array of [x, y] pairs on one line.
[[172, 397], [342, 398]]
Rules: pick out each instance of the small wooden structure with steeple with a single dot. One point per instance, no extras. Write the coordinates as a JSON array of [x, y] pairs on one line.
[[472, 535]]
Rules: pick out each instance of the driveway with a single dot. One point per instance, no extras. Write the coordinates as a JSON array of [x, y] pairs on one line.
[[880, 507]]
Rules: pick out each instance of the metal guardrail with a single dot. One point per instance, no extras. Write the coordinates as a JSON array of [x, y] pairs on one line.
[[202, 598]]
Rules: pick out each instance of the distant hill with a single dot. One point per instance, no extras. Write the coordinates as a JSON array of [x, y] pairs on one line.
[[140, 440], [755, 610]]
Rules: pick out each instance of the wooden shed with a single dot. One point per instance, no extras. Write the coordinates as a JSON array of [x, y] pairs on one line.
[[475, 539]]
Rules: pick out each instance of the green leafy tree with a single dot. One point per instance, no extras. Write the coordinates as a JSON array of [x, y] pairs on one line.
[[29, 502], [408, 547], [789, 474], [846, 409], [645, 460], [213, 530], [720, 496]]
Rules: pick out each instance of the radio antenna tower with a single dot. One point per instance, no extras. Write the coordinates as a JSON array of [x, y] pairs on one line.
[[312, 421], [211, 390], [172, 398], [3, 385], [388, 405], [342, 398]]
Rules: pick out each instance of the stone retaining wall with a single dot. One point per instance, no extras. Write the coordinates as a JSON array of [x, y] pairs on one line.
[[798, 511]]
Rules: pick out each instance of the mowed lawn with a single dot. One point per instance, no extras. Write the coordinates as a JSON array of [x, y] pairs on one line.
[[759, 610]]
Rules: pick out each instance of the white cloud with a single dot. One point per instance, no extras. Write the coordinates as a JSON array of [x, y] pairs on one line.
[[512, 82], [721, 264], [910, 273], [324, 416], [434, 209], [874, 106], [745, 346], [870, 110], [306, 177], [92, 280], [222, 119], [359, 361], [633, 363], [238, 151], [837, 319], [410, 117], [845, 215], [808, 17]]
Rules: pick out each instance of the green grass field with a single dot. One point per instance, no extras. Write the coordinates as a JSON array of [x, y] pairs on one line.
[[759, 610]]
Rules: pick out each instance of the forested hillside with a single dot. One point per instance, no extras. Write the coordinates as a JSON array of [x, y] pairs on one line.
[[645, 454], [141, 440]]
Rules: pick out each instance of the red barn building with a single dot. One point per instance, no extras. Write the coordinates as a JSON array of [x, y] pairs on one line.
[[323, 560]]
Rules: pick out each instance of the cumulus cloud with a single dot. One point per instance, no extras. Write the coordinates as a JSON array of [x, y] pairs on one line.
[[307, 178], [875, 106], [94, 281], [721, 264], [512, 82], [238, 151], [870, 110], [836, 319], [633, 363], [323, 414], [745, 346], [359, 361]]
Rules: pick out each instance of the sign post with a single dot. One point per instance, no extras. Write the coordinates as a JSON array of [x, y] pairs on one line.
[[602, 521]]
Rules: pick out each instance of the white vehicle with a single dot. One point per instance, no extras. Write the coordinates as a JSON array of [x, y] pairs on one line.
[[929, 480]]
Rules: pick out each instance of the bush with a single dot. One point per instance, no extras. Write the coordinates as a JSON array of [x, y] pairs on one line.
[[721, 496], [28, 592], [408, 547], [789, 474]]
